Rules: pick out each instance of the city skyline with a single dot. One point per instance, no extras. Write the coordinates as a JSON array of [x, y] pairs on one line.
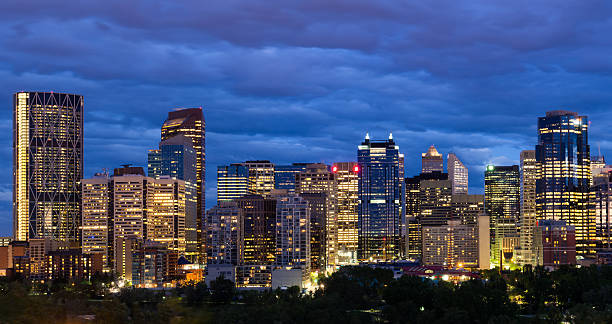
[[298, 92]]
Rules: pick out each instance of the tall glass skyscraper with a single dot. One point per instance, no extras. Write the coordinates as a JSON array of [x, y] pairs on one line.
[[562, 186], [502, 205], [380, 200], [176, 159], [190, 123], [47, 165]]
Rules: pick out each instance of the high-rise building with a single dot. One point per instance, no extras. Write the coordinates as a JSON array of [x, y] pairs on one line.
[[318, 179], [598, 167], [414, 235], [131, 206], [292, 233], [257, 230], [529, 173], [190, 123], [97, 221], [562, 187], [318, 203], [380, 200], [502, 205], [47, 165], [176, 159], [435, 202], [233, 182], [602, 201], [261, 174], [457, 174], [284, 175], [223, 233], [432, 161], [453, 245], [347, 175]]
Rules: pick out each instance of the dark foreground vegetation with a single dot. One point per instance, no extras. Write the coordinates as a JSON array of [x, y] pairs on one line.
[[351, 295]]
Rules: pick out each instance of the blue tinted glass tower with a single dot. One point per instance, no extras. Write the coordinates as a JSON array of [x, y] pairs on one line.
[[562, 185], [380, 200], [284, 175]]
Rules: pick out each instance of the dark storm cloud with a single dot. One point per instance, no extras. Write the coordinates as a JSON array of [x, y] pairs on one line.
[[305, 80]]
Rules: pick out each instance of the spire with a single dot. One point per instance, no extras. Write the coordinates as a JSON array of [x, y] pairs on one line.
[[390, 135], [432, 151], [367, 136]]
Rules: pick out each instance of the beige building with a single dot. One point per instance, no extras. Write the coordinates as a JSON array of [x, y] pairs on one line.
[[347, 174]]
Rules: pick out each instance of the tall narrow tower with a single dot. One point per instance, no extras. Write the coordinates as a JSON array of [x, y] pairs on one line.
[[562, 186], [380, 200], [190, 123], [47, 165]]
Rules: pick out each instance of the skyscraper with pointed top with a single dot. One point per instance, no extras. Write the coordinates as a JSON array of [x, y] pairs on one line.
[[432, 161], [380, 200], [457, 174], [190, 123]]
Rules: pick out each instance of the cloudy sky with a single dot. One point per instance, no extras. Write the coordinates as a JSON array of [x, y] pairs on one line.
[[305, 80]]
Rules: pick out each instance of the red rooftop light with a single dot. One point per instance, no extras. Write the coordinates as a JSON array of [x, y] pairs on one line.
[[334, 169], [356, 168]]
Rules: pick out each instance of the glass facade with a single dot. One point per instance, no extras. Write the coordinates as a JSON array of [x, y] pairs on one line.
[[347, 175], [190, 123], [563, 182], [284, 175], [458, 175], [233, 182], [502, 205], [380, 201], [47, 165]]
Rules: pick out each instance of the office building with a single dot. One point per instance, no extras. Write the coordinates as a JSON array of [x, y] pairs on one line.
[[261, 174], [233, 182], [380, 201], [72, 265], [435, 201], [562, 187], [529, 174], [347, 175], [318, 179], [453, 245], [284, 175], [412, 188], [502, 205], [257, 241], [223, 233], [432, 161], [176, 159], [47, 165], [292, 233], [190, 123], [602, 202], [97, 221], [154, 266], [457, 174]]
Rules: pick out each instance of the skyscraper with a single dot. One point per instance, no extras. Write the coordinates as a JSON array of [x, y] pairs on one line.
[[97, 220], [529, 173], [261, 174], [562, 187], [317, 179], [190, 123], [233, 182], [458, 174], [257, 230], [284, 175], [176, 159], [47, 165], [292, 233], [223, 233], [602, 201], [432, 161], [380, 200], [502, 205], [347, 175]]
